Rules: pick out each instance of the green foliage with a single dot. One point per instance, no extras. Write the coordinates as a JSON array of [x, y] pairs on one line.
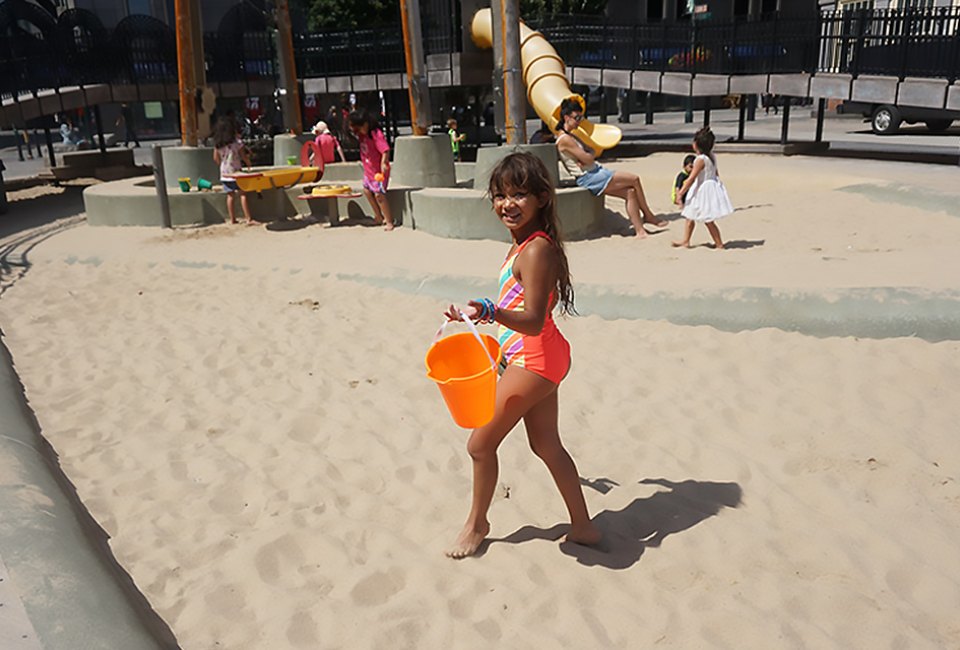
[[350, 14], [537, 9]]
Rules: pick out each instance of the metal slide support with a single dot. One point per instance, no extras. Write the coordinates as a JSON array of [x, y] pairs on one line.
[[160, 180]]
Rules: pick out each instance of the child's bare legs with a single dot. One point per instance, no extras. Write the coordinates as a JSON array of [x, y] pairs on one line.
[[627, 187], [544, 436], [385, 213], [245, 206], [518, 391], [381, 209], [687, 234], [233, 217], [715, 233]]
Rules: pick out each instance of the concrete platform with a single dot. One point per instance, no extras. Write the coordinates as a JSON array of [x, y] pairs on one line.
[[465, 213], [133, 202]]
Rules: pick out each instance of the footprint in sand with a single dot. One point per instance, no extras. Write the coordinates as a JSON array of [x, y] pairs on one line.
[[378, 588]]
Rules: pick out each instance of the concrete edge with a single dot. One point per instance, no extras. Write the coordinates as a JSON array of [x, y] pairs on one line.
[[74, 591]]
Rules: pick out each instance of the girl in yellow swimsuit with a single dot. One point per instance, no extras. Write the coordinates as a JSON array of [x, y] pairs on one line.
[[534, 279]]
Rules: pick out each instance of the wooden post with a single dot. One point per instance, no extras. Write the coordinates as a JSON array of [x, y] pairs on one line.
[[514, 95], [185, 74], [416, 68], [292, 117]]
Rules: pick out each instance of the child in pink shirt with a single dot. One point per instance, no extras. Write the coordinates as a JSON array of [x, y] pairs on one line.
[[375, 156], [327, 142]]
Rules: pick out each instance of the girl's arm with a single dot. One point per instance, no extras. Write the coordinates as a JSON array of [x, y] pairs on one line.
[[697, 168], [572, 146], [340, 151], [216, 155], [385, 162]]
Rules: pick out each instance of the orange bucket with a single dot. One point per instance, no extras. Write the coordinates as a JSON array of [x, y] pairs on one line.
[[465, 368]]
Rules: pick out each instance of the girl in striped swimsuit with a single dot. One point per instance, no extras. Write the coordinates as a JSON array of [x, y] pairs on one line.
[[534, 279]]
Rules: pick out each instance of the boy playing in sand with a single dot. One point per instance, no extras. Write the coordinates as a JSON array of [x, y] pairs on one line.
[[684, 174]]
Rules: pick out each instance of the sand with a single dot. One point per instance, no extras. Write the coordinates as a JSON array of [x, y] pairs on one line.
[[246, 414]]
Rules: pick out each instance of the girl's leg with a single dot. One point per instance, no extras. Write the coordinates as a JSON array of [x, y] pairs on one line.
[[517, 392], [377, 216], [385, 211], [245, 206], [687, 234], [233, 218], [544, 437], [715, 233]]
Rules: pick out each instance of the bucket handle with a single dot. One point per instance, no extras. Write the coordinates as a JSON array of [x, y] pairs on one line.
[[473, 330]]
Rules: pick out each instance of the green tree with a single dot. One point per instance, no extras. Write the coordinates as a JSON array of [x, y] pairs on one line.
[[350, 14]]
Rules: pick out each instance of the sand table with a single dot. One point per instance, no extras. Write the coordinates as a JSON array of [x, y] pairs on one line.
[[257, 435]]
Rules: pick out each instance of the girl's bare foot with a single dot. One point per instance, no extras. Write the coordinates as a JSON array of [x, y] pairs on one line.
[[468, 541], [389, 227], [641, 233], [653, 220], [588, 535], [680, 244]]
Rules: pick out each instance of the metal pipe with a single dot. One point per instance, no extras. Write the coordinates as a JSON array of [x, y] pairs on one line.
[[416, 69], [821, 107], [160, 180], [185, 69]]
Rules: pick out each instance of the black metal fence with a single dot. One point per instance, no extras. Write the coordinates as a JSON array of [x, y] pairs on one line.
[[75, 48], [902, 43]]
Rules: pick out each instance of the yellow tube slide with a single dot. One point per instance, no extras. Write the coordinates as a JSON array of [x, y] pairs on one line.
[[544, 73]]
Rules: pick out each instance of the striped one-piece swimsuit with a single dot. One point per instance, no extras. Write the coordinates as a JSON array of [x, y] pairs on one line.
[[547, 353]]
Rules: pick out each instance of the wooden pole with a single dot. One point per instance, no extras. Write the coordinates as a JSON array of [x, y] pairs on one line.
[[292, 117], [416, 68], [185, 73], [514, 96]]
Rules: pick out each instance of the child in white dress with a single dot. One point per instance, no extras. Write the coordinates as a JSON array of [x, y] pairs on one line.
[[706, 197]]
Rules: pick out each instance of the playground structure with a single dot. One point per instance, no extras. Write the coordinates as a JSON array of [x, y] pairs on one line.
[[545, 76], [428, 190]]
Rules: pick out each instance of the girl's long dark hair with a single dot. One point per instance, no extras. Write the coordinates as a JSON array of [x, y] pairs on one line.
[[705, 140], [363, 116], [524, 171], [224, 132]]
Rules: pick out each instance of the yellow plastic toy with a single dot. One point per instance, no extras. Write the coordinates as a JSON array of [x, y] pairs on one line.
[[277, 178], [544, 73], [330, 190]]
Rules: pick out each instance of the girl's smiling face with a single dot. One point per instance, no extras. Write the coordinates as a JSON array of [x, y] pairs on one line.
[[516, 207]]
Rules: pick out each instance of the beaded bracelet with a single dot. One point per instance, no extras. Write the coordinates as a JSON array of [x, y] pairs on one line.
[[488, 310]]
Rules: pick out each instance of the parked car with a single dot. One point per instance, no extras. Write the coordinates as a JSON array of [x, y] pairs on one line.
[[886, 118]]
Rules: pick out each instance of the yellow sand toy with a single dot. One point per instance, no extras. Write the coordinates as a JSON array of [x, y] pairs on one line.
[[544, 73], [273, 179], [329, 191]]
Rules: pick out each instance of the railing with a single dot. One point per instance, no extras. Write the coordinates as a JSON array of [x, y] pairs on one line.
[[141, 50], [907, 43]]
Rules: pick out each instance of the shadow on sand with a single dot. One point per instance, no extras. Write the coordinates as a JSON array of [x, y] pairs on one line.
[[32, 220], [642, 524]]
